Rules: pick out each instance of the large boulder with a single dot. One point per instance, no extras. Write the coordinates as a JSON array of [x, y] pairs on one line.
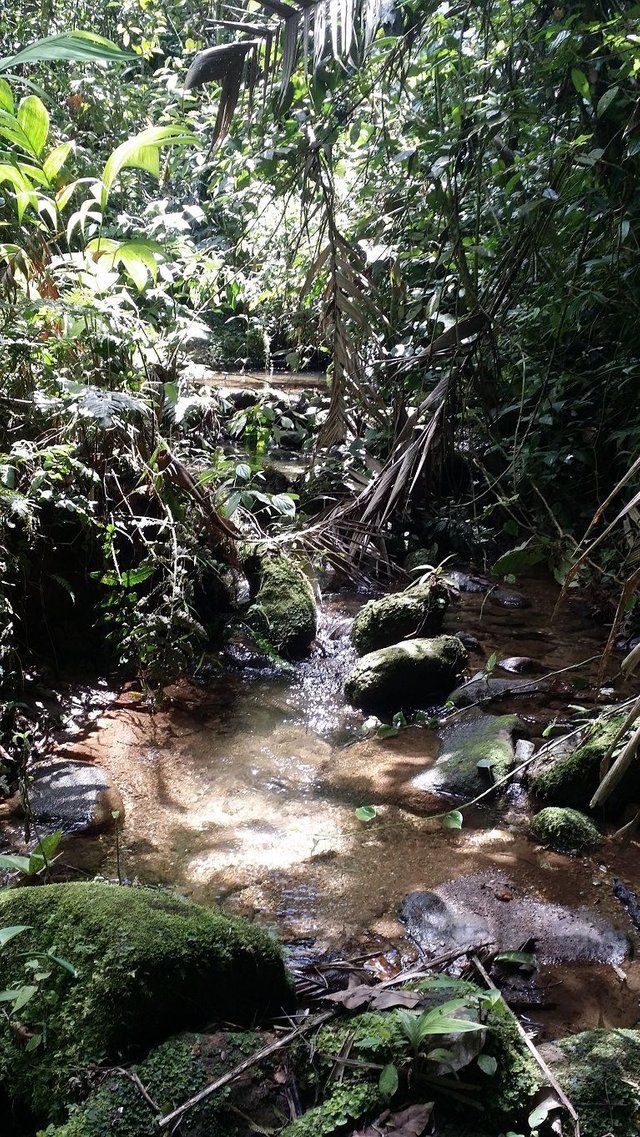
[[418, 611], [413, 673], [283, 611], [77, 797], [475, 750], [599, 1070], [569, 774], [147, 964]]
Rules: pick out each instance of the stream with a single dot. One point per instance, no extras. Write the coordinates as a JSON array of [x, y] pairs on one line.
[[241, 792]]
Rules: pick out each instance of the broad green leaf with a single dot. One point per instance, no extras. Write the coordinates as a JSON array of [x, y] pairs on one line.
[[366, 812], [129, 578], [33, 117], [526, 958], [77, 46], [11, 129], [538, 1115], [12, 861], [9, 996], [580, 82], [444, 1025], [491, 663], [142, 152], [521, 557], [7, 934], [452, 820], [387, 731], [388, 1083], [44, 850], [440, 1054], [55, 160], [25, 994], [606, 100], [6, 97], [487, 1064], [64, 963]]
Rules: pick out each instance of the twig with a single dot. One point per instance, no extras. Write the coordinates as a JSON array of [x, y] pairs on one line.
[[310, 1024], [553, 1081]]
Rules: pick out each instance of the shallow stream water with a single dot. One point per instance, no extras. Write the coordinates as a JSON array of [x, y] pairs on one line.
[[242, 792]]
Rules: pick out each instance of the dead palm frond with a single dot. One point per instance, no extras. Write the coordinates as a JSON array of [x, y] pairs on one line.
[[312, 31]]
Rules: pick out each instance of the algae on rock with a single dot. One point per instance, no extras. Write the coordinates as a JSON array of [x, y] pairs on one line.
[[148, 964], [284, 608], [473, 738], [570, 776], [413, 673], [599, 1070], [418, 611], [566, 830]]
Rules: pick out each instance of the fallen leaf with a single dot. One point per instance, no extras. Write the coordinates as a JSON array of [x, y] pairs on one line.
[[386, 999], [409, 1122]]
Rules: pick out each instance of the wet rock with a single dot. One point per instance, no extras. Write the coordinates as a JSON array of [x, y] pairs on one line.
[[599, 1070], [485, 689], [504, 598], [565, 830], [472, 643], [148, 965], [421, 557], [472, 738], [569, 774], [466, 583], [413, 673], [77, 797], [418, 611], [284, 608], [468, 911], [520, 664]]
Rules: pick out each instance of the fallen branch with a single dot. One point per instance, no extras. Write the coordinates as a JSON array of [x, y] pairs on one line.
[[551, 1078], [304, 1028]]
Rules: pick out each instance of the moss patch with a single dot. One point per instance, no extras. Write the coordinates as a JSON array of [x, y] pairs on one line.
[[573, 778], [472, 738], [599, 1070], [171, 1074], [418, 611], [347, 1104], [565, 830], [284, 607], [148, 964], [413, 673]]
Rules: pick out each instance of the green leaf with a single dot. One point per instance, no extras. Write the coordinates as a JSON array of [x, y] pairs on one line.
[[525, 958], [487, 1064], [388, 1083], [77, 46], [580, 82], [521, 557], [387, 731], [606, 100], [55, 160], [129, 578], [33, 117], [486, 763], [7, 934], [452, 820], [538, 1115], [366, 812], [142, 152], [6, 97], [440, 1054], [12, 861], [25, 994], [491, 663]]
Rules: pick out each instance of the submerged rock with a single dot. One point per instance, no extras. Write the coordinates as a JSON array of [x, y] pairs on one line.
[[284, 609], [485, 689], [599, 1070], [413, 673], [75, 796], [565, 830], [569, 774], [507, 599], [486, 907], [473, 738], [418, 611], [147, 965]]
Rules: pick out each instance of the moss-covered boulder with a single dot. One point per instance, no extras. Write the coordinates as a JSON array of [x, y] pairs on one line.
[[599, 1070], [283, 610], [148, 964], [569, 775], [171, 1074], [475, 750], [413, 673], [566, 830], [418, 611]]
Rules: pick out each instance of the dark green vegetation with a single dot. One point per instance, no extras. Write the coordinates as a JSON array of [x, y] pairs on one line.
[[412, 673], [566, 830], [147, 965], [600, 1071], [572, 778]]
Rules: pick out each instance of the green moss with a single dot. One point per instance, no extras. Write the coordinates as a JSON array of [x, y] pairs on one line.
[[599, 1071], [419, 611], [284, 608], [573, 779], [345, 1105], [148, 965], [171, 1074], [413, 673], [507, 1095], [473, 738], [566, 830]]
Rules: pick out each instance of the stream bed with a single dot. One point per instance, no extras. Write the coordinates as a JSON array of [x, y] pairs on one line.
[[241, 792]]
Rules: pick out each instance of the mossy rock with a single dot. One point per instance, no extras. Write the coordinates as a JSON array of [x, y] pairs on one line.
[[571, 777], [472, 738], [413, 673], [566, 830], [284, 610], [171, 1074], [343, 1107], [148, 964], [599, 1070], [418, 611]]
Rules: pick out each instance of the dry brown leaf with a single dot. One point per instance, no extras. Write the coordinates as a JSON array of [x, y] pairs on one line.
[[410, 1122], [387, 999]]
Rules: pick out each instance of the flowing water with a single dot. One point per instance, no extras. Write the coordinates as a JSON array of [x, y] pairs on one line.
[[242, 792]]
